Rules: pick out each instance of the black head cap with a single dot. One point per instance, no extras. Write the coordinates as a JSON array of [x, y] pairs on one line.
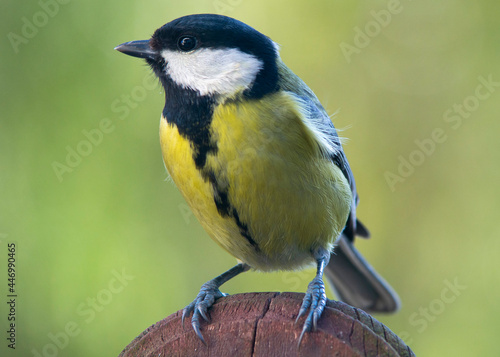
[[214, 31]]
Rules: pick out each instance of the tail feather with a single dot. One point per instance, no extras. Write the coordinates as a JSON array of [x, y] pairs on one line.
[[356, 282]]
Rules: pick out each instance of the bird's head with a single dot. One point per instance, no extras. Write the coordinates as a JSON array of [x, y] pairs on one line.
[[211, 55]]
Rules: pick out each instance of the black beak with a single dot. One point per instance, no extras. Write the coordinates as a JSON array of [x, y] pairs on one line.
[[139, 49]]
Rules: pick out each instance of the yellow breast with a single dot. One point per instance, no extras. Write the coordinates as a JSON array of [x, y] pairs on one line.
[[285, 198]]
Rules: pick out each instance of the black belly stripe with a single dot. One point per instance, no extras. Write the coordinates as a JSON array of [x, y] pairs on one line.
[[202, 146], [222, 203], [192, 114], [244, 231], [221, 198], [225, 209]]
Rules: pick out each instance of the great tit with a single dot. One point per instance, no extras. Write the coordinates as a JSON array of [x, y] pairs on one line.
[[259, 162]]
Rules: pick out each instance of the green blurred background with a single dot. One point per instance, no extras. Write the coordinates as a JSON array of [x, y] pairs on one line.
[[408, 80]]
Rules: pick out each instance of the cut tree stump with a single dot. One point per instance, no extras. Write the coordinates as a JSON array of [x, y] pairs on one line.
[[263, 324]]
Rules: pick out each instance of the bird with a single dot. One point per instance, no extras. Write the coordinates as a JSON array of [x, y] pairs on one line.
[[259, 162]]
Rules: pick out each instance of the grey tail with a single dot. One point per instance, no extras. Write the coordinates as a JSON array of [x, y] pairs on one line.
[[356, 283]]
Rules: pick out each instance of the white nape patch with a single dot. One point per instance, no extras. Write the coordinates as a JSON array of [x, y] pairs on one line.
[[224, 71]]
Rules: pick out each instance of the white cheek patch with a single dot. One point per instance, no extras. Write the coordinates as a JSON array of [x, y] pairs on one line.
[[213, 71]]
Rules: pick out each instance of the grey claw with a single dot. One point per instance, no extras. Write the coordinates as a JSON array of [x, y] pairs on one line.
[[199, 307], [202, 310], [314, 302], [186, 312], [306, 303], [196, 327]]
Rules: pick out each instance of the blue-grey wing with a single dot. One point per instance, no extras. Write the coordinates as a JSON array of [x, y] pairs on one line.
[[318, 118]]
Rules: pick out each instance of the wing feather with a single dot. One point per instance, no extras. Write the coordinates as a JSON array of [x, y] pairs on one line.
[[319, 122]]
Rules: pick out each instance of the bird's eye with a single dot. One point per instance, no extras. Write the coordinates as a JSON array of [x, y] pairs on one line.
[[187, 43]]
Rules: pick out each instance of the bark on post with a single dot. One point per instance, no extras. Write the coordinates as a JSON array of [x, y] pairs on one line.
[[263, 324]]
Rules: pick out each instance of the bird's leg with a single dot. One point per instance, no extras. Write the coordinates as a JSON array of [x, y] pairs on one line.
[[209, 292], [315, 299]]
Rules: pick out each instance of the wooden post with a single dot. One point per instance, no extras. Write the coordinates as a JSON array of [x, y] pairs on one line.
[[263, 324]]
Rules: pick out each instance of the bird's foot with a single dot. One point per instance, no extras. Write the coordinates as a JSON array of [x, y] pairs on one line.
[[313, 305], [209, 292]]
